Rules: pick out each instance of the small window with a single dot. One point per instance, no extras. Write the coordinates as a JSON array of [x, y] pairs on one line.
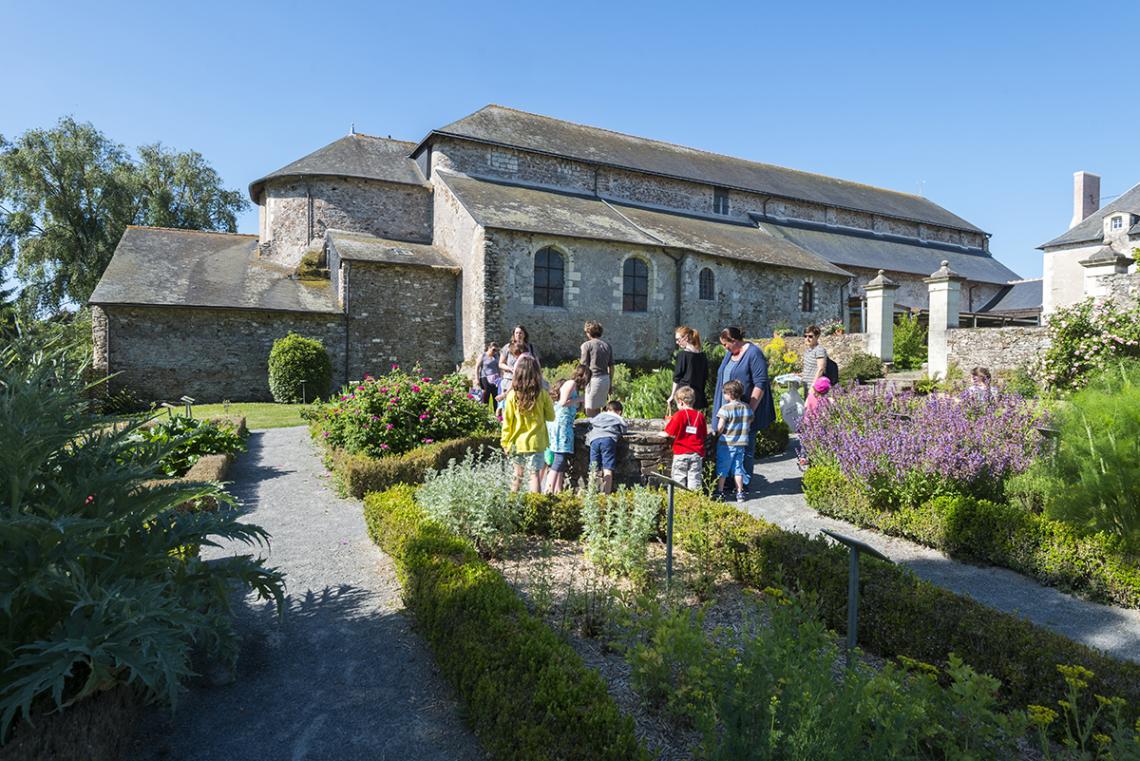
[[706, 285], [720, 201], [635, 286], [807, 297], [1117, 223], [549, 277]]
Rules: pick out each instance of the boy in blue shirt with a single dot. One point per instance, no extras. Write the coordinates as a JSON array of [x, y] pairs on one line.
[[733, 420]]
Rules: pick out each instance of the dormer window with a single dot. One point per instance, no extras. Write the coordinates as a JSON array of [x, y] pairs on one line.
[[720, 201], [1116, 223]]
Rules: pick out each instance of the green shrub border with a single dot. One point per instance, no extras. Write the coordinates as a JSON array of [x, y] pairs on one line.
[[526, 693], [998, 534], [901, 614]]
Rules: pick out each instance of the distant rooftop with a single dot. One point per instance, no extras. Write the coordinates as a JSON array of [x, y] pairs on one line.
[[518, 129], [1091, 229], [361, 156]]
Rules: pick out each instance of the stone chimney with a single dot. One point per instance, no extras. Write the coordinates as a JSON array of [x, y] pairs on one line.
[[1086, 196]]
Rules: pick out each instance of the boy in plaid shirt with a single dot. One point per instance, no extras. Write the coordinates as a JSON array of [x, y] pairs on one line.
[[733, 420]]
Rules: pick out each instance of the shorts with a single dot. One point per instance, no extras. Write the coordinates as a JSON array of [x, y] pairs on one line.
[[729, 461], [561, 462], [597, 391], [603, 454], [529, 460]]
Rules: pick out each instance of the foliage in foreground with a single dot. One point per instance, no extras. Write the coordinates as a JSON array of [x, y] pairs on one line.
[[615, 529], [186, 440], [397, 412], [1085, 339], [100, 584], [526, 692], [299, 370]]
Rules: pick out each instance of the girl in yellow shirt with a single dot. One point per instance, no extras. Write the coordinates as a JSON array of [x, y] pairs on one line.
[[528, 408]]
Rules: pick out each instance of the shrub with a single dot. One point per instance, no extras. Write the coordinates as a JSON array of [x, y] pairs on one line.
[[901, 615], [98, 590], [781, 361], [1002, 534], [294, 359], [773, 440], [398, 412], [861, 368], [358, 474], [1097, 463], [558, 516], [1084, 339], [472, 498], [909, 343], [187, 439], [1019, 381], [525, 692], [904, 449], [615, 529], [647, 394]]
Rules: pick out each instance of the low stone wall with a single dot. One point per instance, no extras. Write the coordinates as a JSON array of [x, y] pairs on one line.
[[643, 450], [995, 348], [839, 347]]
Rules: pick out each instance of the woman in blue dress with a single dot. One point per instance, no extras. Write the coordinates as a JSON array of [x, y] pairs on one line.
[[745, 362]]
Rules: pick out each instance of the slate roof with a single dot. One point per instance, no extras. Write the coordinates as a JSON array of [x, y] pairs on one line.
[[360, 156], [1091, 228], [519, 129], [878, 252], [1020, 297], [368, 248], [524, 209], [155, 266]]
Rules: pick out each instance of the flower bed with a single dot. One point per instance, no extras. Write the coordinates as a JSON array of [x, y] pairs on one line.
[[358, 474]]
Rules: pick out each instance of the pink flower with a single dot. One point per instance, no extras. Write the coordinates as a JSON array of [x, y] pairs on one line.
[[383, 446], [390, 426], [424, 416], [325, 434], [428, 441], [367, 377], [415, 388], [395, 366], [425, 379]]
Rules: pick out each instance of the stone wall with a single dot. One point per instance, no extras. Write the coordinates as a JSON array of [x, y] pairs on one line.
[[995, 348], [1123, 287], [841, 348], [384, 209], [644, 449], [162, 353], [645, 189], [457, 233], [400, 315]]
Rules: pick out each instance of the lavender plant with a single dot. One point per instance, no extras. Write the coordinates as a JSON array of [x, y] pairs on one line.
[[905, 449]]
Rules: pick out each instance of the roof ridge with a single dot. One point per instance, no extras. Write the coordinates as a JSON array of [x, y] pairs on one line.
[[700, 150], [387, 139], [188, 230]]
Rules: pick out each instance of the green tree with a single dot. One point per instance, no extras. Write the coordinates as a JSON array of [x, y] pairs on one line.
[[909, 342], [68, 192]]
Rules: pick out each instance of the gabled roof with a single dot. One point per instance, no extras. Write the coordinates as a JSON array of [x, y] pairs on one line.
[[542, 134], [361, 156], [155, 266], [1019, 298], [1091, 228], [512, 207], [878, 252], [362, 247]]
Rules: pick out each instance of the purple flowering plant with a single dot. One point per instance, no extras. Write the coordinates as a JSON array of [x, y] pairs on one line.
[[399, 411], [904, 449]]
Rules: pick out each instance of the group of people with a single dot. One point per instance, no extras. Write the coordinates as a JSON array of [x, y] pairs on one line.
[[538, 422]]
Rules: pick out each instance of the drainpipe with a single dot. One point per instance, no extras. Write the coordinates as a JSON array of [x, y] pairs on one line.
[[346, 267], [678, 262], [309, 210]]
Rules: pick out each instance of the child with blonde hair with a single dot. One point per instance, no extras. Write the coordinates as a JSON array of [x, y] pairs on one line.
[[569, 396], [689, 430], [526, 410]]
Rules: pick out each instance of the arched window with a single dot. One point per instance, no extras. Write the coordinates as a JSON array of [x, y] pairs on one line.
[[706, 287], [807, 297], [635, 286], [549, 277]]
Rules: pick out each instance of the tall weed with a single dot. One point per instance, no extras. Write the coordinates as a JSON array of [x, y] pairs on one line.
[[615, 528]]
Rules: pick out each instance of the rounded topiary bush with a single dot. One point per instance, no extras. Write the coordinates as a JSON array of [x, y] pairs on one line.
[[294, 359]]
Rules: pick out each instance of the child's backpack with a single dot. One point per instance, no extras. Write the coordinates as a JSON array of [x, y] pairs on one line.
[[831, 371]]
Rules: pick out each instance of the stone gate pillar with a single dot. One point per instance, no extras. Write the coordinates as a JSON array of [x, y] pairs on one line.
[[1104, 262], [945, 288], [881, 317]]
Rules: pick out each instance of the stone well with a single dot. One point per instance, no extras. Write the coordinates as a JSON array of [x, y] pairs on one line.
[[643, 450]]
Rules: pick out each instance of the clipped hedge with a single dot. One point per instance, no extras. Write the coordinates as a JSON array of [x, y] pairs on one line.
[[526, 693], [294, 360], [999, 534], [359, 474], [900, 614]]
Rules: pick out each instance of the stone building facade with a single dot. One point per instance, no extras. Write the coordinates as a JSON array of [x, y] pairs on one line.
[[434, 248]]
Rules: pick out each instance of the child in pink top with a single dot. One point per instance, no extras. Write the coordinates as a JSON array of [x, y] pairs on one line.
[[818, 400]]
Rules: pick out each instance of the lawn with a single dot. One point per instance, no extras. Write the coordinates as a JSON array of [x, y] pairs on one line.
[[258, 415]]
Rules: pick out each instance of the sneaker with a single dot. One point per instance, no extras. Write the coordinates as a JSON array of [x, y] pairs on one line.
[[740, 496]]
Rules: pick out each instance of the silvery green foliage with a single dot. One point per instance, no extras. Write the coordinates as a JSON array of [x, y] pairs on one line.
[[472, 498], [615, 529]]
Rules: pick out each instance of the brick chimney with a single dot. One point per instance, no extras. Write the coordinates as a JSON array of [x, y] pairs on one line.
[[1086, 196]]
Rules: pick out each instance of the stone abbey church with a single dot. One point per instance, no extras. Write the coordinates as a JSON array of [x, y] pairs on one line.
[[425, 251]]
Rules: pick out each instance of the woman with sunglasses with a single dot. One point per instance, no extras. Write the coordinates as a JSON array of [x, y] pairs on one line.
[[815, 359]]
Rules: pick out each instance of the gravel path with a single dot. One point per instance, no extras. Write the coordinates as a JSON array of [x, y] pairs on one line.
[[1116, 631], [343, 676]]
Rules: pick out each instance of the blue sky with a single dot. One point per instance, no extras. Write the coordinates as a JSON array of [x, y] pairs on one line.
[[986, 108]]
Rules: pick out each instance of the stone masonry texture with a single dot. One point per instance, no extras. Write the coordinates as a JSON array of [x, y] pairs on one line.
[[996, 348]]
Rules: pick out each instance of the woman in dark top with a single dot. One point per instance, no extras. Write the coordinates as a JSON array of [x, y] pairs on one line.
[[692, 368]]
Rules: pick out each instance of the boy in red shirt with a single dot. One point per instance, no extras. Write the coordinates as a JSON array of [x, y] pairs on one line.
[[688, 429]]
